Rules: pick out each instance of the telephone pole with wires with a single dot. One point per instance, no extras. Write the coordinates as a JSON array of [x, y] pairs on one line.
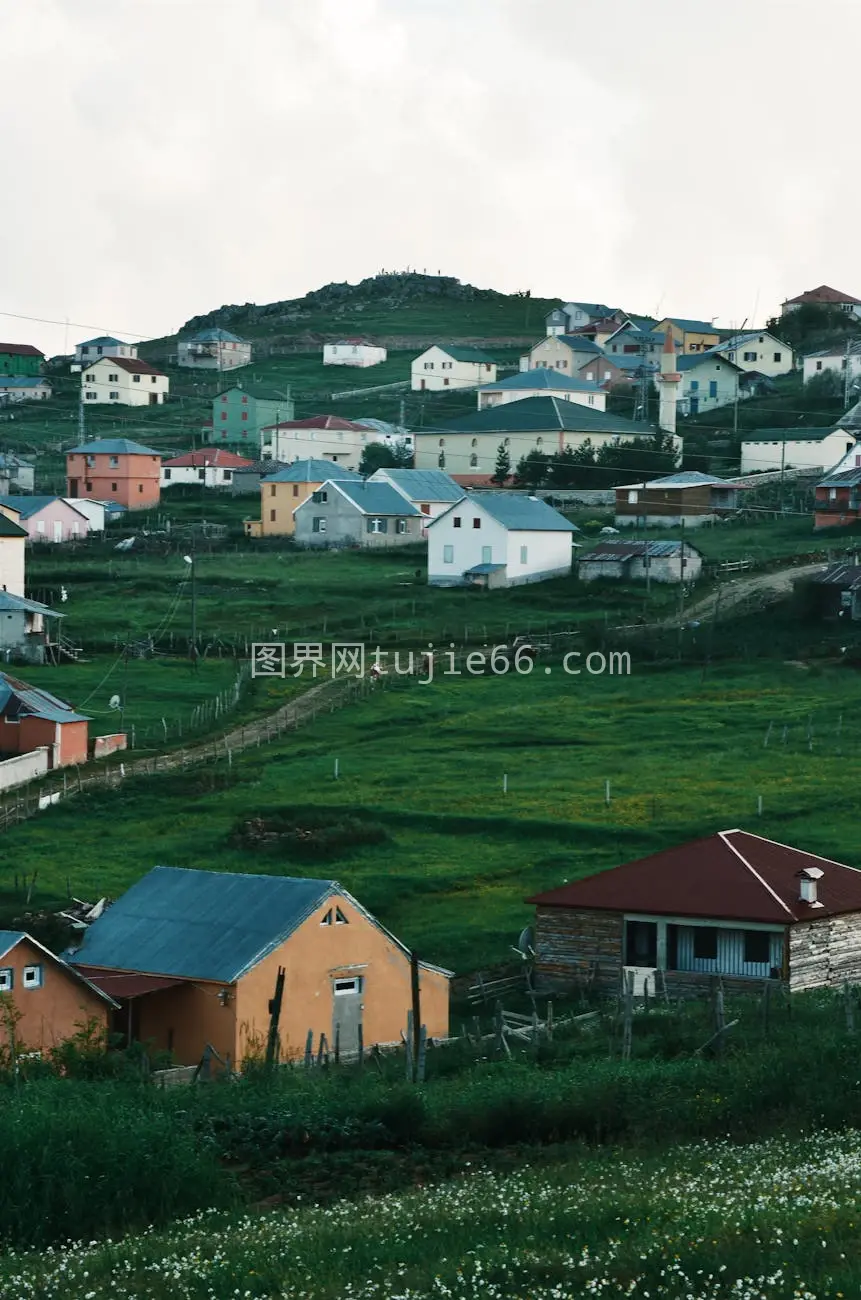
[[847, 378]]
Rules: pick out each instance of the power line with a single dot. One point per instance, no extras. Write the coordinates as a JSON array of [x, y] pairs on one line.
[[43, 320]]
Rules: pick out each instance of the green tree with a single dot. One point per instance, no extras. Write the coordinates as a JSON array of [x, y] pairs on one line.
[[377, 455], [532, 469], [502, 470]]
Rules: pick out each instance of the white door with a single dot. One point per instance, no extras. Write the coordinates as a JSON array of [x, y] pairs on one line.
[[58, 530]]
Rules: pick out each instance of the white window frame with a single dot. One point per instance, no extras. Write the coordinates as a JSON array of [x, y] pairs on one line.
[[448, 555], [7, 979], [345, 987], [32, 977]]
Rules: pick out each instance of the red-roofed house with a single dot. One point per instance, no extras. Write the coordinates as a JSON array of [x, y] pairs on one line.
[[210, 467], [126, 381], [328, 437], [824, 296], [735, 905]]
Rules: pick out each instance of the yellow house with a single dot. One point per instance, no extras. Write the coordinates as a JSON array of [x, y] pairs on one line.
[[689, 335], [283, 491]]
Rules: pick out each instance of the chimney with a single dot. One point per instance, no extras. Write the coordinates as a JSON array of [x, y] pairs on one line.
[[808, 877]]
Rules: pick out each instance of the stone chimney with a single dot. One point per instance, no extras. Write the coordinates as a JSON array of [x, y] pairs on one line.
[[668, 385]]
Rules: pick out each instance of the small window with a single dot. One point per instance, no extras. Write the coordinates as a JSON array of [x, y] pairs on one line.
[[448, 555], [487, 555], [441, 460], [295, 490], [757, 947], [272, 516], [140, 487], [442, 442], [456, 521], [633, 498], [113, 379], [32, 977], [524, 554], [343, 987], [778, 356], [320, 498], [318, 524], [475, 442], [705, 943], [476, 523], [88, 485], [473, 461], [272, 489], [327, 918], [136, 379], [7, 979], [114, 396], [340, 918], [402, 526], [114, 486]]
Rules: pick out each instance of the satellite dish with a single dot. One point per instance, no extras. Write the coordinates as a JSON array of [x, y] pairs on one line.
[[525, 944], [114, 702]]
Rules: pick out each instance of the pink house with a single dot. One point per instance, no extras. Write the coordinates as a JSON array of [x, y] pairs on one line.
[[47, 519]]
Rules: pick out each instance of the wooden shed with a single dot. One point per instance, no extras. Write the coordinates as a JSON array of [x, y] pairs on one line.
[[733, 904]]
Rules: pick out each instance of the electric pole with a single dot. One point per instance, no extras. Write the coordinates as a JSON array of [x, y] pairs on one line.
[[846, 376]]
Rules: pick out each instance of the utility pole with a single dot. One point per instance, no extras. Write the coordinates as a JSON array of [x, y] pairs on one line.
[[782, 472], [737, 341], [682, 586], [846, 376]]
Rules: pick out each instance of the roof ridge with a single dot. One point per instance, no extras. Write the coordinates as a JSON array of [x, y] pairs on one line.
[[793, 848], [743, 860]]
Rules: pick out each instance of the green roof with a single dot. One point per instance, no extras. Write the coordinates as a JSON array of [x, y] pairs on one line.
[[311, 471], [8, 528], [795, 434], [258, 393], [541, 415]]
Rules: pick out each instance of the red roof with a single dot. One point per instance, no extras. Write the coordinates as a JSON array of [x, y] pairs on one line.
[[125, 984], [824, 294], [20, 350], [132, 364], [731, 876], [216, 456], [320, 422]]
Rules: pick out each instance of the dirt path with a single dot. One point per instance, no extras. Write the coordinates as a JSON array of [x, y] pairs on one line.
[[770, 586]]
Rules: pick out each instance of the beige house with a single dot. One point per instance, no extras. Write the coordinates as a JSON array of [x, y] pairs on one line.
[[282, 492], [124, 381], [449, 366], [563, 352], [328, 437]]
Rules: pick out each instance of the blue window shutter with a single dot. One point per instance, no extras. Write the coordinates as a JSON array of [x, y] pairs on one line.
[[712, 388], [695, 385]]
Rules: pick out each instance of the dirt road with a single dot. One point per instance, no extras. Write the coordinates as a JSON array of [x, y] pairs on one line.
[[768, 586]]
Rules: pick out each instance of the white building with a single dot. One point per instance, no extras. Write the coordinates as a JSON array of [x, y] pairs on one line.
[[431, 490], [449, 366], [834, 360], [779, 449], [353, 352], [93, 512], [577, 315], [23, 388], [498, 539], [127, 381], [759, 351], [213, 349], [824, 296], [211, 467], [565, 352], [542, 382], [327, 437], [104, 346], [708, 381]]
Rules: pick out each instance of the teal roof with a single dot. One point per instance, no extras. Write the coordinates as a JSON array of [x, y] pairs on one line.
[[311, 471], [113, 447], [376, 498], [515, 511], [796, 434], [693, 326], [208, 925], [214, 335], [17, 699], [8, 939], [423, 484], [579, 343], [102, 340], [540, 415], [23, 381], [694, 359], [31, 505], [465, 353], [259, 393], [10, 603], [541, 377]]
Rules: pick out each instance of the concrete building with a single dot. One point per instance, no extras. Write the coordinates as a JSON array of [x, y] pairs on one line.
[[824, 296], [541, 382], [93, 511], [351, 513], [20, 359], [20, 473], [564, 352], [498, 539], [241, 412], [185, 979], [688, 496], [321, 437], [835, 360], [641, 561], [448, 365], [211, 467], [114, 469], [430, 490], [246, 481], [758, 351], [286, 488], [838, 500], [51, 998], [353, 352], [798, 448], [13, 539], [573, 316], [708, 381], [31, 718], [48, 518], [23, 388], [124, 381], [689, 335], [213, 349], [29, 631], [103, 346]]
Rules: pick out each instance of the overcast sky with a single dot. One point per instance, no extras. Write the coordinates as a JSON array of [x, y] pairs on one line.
[[162, 157]]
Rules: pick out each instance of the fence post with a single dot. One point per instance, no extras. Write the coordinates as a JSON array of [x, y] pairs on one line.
[[628, 1022]]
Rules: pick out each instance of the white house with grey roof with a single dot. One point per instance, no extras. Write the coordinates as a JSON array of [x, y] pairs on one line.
[[357, 513], [541, 382], [446, 365], [798, 448], [757, 350], [431, 490], [498, 539], [578, 315], [103, 346], [834, 360], [213, 349], [563, 352]]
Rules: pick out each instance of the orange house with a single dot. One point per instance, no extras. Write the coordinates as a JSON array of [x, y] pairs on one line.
[[52, 998], [31, 718], [114, 469], [192, 959]]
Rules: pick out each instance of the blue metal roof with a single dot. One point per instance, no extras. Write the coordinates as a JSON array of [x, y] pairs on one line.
[[694, 359], [541, 377], [9, 603], [376, 498], [692, 326], [689, 478], [310, 471], [209, 925], [422, 484], [22, 381], [102, 339], [485, 568], [515, 511], [30, 505], [8, 939], [18, 699], [215, 335], [113, 447], [579, 343]]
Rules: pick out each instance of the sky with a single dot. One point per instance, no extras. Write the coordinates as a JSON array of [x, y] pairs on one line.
[[164, 157]]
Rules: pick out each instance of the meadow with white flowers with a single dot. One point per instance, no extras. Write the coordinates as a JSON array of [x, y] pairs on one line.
[[776, 1220]]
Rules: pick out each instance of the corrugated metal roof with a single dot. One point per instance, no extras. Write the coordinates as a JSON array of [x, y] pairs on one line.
[[121, 984], [8, 527], [692, 326], [690, 478], [541, 377], [796, 434], [578, 343], [105, 338], [478, 569], [8, 602], [731, 876], [844, 478], [214, 335], [376, 498], [541, 415], [633, 550], [422, 484], [845, 576], [311, 471], [28, 506], [207, 925], [694, 359], [8, 940], [23, 381], [259, 393], [112, 447], [517, 512], [17, 698]]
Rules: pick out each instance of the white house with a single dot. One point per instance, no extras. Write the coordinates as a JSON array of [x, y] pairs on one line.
[[211, 467], [23, 388], [824, 296], [213, 349], [577, 315], [448, 366], [353, 352], [541, 382], [757, 350], [93, 512], [319, 436], [834, 360], [708, 381], [431, 490], [565, 352], [104, 346], [771, 449], [127, 381], [498, 539]]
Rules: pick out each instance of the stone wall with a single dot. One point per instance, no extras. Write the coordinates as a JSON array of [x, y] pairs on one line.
[[825, 953], [569, 944]]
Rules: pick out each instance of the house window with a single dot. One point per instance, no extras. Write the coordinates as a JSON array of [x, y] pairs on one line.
[[295, 490], [318, 525], [446, 365], [92, 397], [402, 526], [88, 485], [40, 525], [832, 494], [378, 525], [320, 498], [89, 379], [633, 498], [442, 442], [712, 388], [539, 442], [748, 356], [695, 385], [7, 979], [757, 947], [113, 379], [272, 516], [446, 382], [140, 487], [473, 461], [153, 378], [778, 356], [448, 555], [343, 987], [136, 379], [524, 554], [32, 977], [474, 442], [272, 490], [327, 918], [487, 554], [456, 521], [428, 365], [476, 523], [113, 487], [819, 365], [224, 415], [441, 460], [705, 943], [244, 401], [114, 396], [201, 473], [245, 415], [591, 401], [114, 462]]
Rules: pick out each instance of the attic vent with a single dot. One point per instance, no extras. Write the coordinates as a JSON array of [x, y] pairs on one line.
[[808, 886]]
